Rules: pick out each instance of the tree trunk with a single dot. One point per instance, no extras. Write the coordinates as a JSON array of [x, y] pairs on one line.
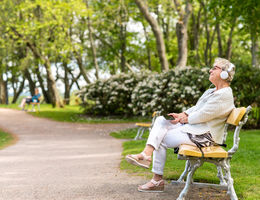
[[157, 33], [47, 96], [147, 48], [3, 92], [81, 68], [66, 84], [229, 42], [18, 92], [194, 39], [255, 51], [92, 44], [210, 45], [182, 32], [31, 82], [55, 97], [220, 48], [122, 37]]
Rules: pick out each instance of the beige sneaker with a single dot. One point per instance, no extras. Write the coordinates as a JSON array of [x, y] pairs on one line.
[[152, 186], [144, 162]]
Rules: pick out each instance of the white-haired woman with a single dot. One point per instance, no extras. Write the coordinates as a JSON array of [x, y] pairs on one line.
[[202, 124]]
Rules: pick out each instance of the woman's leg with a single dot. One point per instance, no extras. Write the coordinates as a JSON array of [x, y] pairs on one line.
[[173, 139], [158, 132], [156, 135]]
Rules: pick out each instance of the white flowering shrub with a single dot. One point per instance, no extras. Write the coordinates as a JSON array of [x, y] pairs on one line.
[[146, 92], [111, 96], [172, 91]]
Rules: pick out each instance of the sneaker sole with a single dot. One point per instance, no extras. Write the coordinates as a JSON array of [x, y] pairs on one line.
[[134, 162]]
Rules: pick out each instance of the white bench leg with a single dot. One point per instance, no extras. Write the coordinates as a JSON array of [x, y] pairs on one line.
[[33, 109], [141, 134], [220, 176], [138, 133], [184, 173], [229, 179], [194, 164]]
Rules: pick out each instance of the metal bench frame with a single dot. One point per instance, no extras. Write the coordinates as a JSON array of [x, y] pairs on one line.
[[222, 164], [141, 129]]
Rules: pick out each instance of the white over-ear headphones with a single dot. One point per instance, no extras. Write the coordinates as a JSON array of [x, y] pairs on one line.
[[224, 74]]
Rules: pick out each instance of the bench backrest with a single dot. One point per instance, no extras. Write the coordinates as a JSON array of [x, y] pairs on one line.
[[238, 117]]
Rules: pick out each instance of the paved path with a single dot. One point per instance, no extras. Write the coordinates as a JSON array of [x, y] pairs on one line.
[[65, 161]]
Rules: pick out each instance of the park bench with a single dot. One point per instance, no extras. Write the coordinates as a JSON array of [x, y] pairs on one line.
[[145, 126], [213, 154], [33, 104]]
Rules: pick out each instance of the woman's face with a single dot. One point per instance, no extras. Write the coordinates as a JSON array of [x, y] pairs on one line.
[[214, 74]]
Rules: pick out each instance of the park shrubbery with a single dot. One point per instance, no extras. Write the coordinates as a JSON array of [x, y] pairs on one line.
[[172, 91]]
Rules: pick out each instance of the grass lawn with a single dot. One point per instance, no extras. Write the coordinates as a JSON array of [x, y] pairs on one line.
[[5, 139], [74, 113], [245, 164]]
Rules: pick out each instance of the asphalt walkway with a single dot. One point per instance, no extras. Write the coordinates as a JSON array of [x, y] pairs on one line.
[[66, 161]]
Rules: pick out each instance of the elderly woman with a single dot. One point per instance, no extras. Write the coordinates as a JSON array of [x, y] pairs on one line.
[[35, 99], [201, 125]]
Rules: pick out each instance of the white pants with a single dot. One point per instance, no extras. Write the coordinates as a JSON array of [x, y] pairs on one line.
[[165, 135]]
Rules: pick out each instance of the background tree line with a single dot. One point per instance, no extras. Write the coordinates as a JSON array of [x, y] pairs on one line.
[[44, 42]]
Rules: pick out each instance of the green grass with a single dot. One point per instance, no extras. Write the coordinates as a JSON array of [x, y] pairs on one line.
[[74, 113], [5, 139], [245, 164]]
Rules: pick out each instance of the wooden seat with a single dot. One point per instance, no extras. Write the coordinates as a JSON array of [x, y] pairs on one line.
[[145, 125], [214, 154], [209, 152]]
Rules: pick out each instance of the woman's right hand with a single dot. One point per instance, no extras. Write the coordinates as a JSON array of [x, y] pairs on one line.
[[177, 117]]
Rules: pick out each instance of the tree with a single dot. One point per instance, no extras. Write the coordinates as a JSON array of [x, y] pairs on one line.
[[157, 33], [182, 31]]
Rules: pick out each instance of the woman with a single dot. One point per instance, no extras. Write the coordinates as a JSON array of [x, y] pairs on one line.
[[202, 124], [28, 100]]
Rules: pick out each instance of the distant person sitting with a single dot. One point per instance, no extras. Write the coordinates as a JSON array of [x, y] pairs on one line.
[[33, 99]]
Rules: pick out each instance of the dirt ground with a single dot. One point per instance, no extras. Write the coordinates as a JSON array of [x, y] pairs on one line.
[[71, 161]]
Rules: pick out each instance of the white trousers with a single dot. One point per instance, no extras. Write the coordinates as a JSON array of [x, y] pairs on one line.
[[165, 135]]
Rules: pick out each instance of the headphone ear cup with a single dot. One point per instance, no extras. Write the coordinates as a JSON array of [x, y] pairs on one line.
[[224, 75]]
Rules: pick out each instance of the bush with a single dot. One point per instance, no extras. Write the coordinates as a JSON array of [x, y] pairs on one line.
[[172, 91], [111, 96]]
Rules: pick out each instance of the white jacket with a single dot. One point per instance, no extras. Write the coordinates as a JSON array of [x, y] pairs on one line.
[[210, 113]]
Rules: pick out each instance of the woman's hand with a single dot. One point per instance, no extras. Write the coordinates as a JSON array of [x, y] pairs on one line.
[[179, 118]]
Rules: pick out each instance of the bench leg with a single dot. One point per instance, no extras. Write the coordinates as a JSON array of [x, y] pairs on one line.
[[33, 109], [138, 133], [184, 173], [229, 179], [38, 105], [220, 176], [194, 164], [141, 134]]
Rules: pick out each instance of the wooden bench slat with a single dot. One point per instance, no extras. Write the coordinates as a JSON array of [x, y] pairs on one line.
[[236, 115], [209, 152], [146, 125]]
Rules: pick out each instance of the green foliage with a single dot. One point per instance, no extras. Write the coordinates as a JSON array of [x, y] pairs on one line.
[[244, 164], [5, 139], [111, 96], [172, 91], [142, 94]]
